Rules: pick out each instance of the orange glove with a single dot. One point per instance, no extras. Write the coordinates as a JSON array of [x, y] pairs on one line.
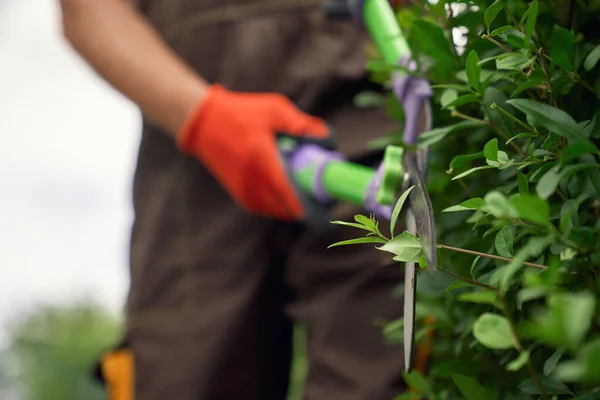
[[235, 136]]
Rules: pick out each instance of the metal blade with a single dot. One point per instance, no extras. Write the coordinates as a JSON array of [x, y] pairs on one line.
[[410, 293], [415, 166]]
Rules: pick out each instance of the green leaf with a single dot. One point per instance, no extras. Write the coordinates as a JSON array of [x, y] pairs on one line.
[[528, 294], [398, 208], [369, 239], [456, 209], [531, 20], [470, 388], [469, 172], [468, 205], [570, 371], [533, 248], [423, 262], [406, 248], [490, 151], [501, 30], [435, 135], [548, 183], [515, 38], [528, 84], [504, 241], [519, 362], [369, 223], [553, 119], [569, 217], [415, 380], [494, 331], [562, 50], [591, 395], [448, 97], [473, 69], [429, 38], [590, 357], [459, 161], [461, 101], [352, 225], [523, 184], [393, 331], [457, 285], [491, 12], [552, 361], [519, 136], [473, 265], [498, 205], [475, 203], [551, 386], [369, 99], [567, 320], [486, 296], [513, 61], [573, 151], [592, 59], [531, 208]]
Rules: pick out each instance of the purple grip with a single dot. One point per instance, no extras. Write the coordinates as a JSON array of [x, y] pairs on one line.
[[414, 94], [370, 202], [313, 156], [310, 155]]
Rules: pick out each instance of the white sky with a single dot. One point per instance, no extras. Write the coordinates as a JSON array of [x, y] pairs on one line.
[[68, 147]]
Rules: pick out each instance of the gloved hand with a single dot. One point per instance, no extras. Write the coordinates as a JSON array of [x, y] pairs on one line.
[[235, 136]]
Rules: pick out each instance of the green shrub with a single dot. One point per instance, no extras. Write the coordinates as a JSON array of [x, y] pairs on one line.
[[53, 351], [515, 181]]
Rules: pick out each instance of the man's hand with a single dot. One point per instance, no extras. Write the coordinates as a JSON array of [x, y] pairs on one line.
[[234, 135]]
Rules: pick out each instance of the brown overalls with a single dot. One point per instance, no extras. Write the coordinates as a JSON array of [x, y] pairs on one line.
[[213, 289]]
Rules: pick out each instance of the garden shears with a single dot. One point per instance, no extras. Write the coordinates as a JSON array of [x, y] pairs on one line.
[[327, 176]]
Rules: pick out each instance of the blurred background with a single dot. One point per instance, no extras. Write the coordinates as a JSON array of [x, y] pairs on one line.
[[66, 163]]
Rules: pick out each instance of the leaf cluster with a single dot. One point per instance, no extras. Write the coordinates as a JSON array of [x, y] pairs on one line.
[[514, 178]]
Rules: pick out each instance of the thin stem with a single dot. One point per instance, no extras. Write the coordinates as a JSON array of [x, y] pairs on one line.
[[505, 137], [465, 188], [575, 76], [495, 106], [513, 19], [545, 68], [586, 85], [501, 133], [381, 235], [497, 43], [470, 281], [469, 118], [477, 253]]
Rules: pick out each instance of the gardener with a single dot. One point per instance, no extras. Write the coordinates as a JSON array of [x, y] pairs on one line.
[[220, 259]]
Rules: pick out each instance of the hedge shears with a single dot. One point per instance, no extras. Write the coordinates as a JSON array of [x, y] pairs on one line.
[[327, 176]]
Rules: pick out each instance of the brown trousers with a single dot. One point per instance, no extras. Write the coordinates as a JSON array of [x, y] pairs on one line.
[[213, 298], [214, 291]]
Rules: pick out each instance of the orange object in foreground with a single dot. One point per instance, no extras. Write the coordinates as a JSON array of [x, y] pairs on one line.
[[118, 370], [234, 135], [424, 348]]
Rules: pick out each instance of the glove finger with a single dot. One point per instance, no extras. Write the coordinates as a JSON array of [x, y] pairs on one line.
[[289, 119], [281, 188], [272, 194]]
